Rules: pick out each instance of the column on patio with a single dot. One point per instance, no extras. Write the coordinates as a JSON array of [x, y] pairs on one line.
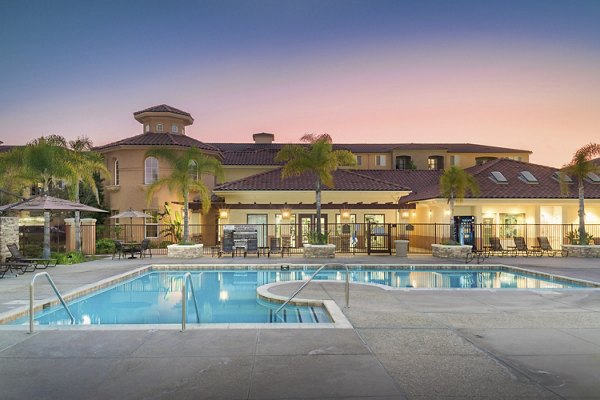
[[9, 233]]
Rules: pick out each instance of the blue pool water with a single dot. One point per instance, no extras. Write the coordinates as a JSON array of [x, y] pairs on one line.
[[230, 296]]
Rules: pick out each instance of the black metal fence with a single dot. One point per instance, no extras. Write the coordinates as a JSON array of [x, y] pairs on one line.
[[358, 238]]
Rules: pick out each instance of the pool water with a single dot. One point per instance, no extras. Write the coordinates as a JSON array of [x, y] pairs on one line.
[[230, 296]]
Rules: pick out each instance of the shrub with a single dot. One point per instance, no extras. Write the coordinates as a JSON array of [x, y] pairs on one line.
[[31, 250], [317, 238], [72, 257], [164, 244], [105, 246]]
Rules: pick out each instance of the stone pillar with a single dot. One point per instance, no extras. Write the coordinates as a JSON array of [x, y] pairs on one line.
[[88, 235], [9, 233]]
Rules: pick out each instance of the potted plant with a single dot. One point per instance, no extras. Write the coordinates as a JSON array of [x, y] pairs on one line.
[[317, 246]]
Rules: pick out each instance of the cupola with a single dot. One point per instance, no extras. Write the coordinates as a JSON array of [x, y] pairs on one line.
[[163, 119]]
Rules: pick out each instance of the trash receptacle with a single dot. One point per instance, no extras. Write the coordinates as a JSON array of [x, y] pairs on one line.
[[401, 248]]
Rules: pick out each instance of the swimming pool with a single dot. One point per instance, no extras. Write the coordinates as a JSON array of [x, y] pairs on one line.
[[230, 296]]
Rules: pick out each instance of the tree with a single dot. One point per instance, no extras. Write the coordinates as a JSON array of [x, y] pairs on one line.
[[47, 162], [318, 158], [580, 166], [455, 182], [187, 166]]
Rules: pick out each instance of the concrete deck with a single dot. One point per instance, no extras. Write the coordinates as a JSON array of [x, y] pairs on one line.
[[415, 344]]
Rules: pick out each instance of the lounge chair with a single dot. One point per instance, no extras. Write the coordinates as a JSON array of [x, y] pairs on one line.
[[40, 263], [495, 247], [545, 247], [476, 254], [521, 247], [279, 246], [19, 267]]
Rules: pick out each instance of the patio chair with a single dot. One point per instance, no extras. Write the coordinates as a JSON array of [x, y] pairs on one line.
[[19, 267], [40, 263], [495, 247], [144, 249], [545, 247], [476, 254], [279, 246], [521, 247], [119, 249]]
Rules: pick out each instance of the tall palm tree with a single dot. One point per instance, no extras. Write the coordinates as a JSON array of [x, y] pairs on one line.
[[319, 158], [187, 166], [455, 182], [580, 166], [88, 163]]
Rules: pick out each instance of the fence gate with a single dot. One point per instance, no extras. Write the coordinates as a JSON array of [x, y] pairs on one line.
[[379, 238]]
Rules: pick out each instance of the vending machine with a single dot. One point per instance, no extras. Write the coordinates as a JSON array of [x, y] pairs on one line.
[[464, 230]]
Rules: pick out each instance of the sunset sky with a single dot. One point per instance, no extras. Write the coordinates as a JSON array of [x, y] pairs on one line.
[[521, 74]]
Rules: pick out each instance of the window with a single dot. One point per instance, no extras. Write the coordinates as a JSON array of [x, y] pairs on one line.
[[562, 177], [151, 170], [497, 177], [151, 224], [380, 160], [511, 225], [593, 177], [147, 128], [528, 177], [483, 160], [174, 128], [117, 178], [286, 229], [454, 160], [435, 162], [159, 127], [404, 162], [193, 168], [358, 160]]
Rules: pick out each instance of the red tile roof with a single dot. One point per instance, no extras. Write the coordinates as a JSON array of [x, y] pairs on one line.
[[345, 180], [416, 180], [159, 139], [516, 188], [163, 108]]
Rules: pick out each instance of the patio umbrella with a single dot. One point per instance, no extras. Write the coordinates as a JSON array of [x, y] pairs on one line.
[[47, 203], [131, 214]]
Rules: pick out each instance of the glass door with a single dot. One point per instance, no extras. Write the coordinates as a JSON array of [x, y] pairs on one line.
[[307, 223]]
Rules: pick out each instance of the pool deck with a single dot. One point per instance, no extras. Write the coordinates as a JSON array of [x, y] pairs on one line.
[[413, 344]]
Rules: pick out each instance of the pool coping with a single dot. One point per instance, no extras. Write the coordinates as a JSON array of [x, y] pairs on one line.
[[330, 306]]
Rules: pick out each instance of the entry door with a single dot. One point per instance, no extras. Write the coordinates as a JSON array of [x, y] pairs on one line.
[[260, 222], [307, 223]]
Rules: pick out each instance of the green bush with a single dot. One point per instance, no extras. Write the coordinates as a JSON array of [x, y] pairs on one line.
[[164, 244], [72, 257], [317, 238], [105, 246], [32, 250]]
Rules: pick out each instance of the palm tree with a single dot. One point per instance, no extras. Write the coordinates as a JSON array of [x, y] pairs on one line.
[[46, 162], [455, 182], [579, 167], [187, 166], [319, 158], [88, 163]]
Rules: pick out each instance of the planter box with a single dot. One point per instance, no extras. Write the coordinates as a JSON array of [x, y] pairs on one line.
[[581, 251], [319, 251], [447, 251], [185, 251]]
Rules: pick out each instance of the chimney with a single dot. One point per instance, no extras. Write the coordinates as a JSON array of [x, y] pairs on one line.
[[263, 138]]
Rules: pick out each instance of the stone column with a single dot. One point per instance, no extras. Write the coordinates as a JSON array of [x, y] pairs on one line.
[[9, 233]]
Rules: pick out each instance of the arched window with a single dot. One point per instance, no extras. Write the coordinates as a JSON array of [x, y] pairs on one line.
[[116, 174], [193, 168], [150, 170]]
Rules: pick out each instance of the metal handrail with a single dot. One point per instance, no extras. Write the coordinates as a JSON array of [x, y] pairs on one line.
[[347, 289], [187, 277], [32, 295]]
